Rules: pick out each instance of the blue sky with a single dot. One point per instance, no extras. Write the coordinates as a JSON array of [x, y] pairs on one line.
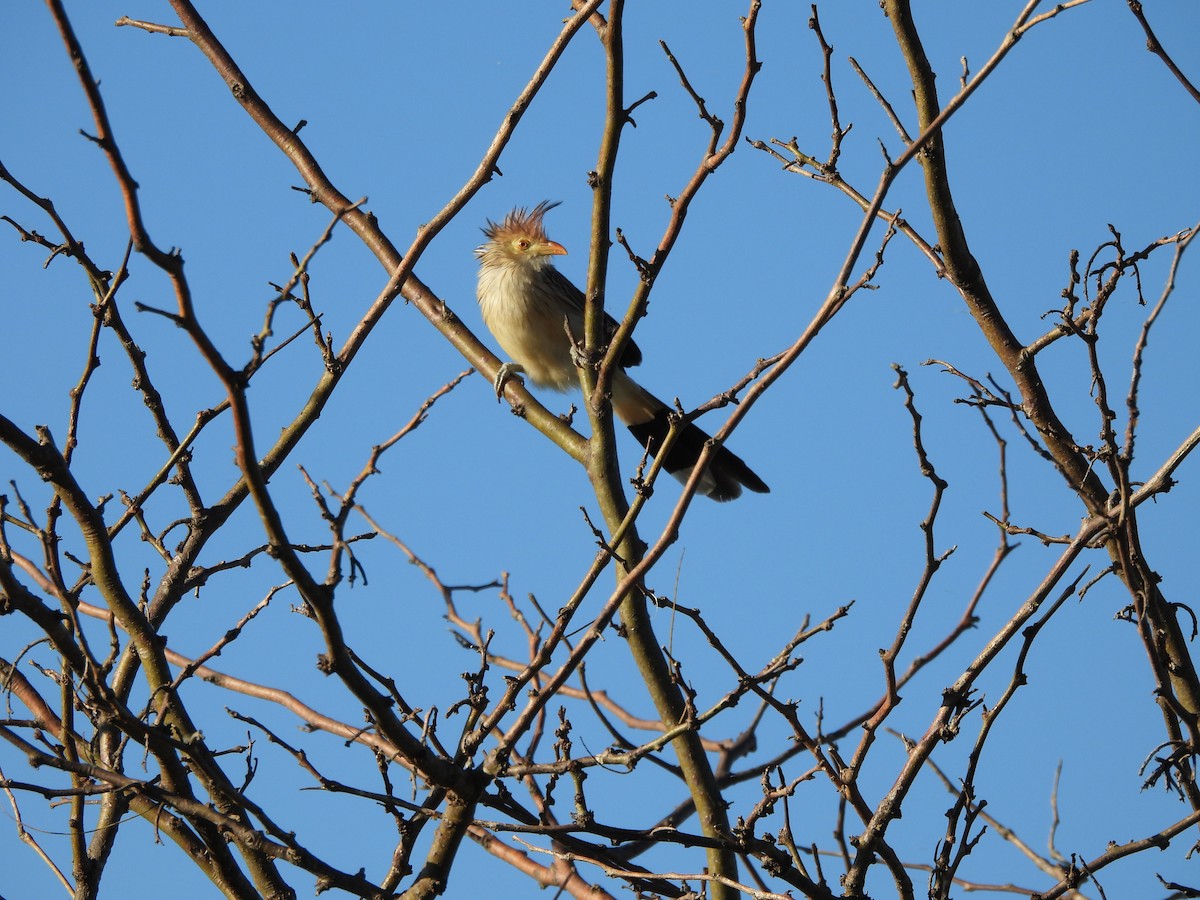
[[1078, 129]]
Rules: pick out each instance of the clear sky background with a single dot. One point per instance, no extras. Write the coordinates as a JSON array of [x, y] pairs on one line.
[[1080, 128]]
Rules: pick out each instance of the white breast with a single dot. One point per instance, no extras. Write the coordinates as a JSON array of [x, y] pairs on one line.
[[528, 323]]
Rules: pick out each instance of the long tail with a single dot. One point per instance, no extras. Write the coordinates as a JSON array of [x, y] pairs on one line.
[[647, 418]]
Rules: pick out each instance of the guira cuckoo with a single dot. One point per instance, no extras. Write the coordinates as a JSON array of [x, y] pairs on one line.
[[529, 306]]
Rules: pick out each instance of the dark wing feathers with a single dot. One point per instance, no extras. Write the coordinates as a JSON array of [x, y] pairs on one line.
[[632, 355]]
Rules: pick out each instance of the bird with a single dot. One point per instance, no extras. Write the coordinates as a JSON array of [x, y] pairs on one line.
[[525, 302]]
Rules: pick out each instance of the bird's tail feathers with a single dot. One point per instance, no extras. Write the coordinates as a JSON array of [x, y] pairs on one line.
[[648, 418]]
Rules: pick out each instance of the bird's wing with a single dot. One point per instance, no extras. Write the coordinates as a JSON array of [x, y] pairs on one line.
[[632, 355]]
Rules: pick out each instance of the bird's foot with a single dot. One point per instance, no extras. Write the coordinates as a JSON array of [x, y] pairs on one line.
[[579, 358], [504, 374]]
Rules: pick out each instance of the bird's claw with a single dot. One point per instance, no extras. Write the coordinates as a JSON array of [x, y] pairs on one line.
[[579, 358], [507, 372]]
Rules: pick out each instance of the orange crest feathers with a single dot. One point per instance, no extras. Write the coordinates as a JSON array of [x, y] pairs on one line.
[[527, 223]]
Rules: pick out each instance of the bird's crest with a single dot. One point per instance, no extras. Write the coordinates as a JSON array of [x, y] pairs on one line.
[[523, 222]]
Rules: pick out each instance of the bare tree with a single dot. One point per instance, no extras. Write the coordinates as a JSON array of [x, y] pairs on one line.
[[608, 734]]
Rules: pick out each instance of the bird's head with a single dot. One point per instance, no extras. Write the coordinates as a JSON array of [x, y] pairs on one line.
[[520, 239]]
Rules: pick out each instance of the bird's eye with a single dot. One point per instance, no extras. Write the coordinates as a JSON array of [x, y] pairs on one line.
[[522, 244]]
